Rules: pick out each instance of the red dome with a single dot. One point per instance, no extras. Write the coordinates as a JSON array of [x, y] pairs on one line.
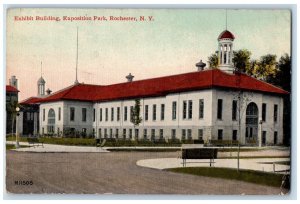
[[226, 34]]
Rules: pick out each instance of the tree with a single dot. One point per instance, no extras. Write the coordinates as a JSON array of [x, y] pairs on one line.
[[213, 60], [11, 110], [282, 77], [241, 60], [265, 68], [136, 119]]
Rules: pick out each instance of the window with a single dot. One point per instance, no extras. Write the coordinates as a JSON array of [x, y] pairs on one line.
[[162, 112], [183, 134], [174, 109], [59, 113], [106, 114], [112, 114], [184, 110], [145, 134], [234, 109], [72, 114], [117, 133], [100, 114], [220, 134], [152, 134], [83, 114], [220, 109], [118, 114], [275, 112], [173, 134], [264, 109], [136, 135], [130, 133], [189, 134], [200, 134], [43, 114], [124, 133], [201, 108], [110, 133], [131, 113], [275, 137], [154, 112], [190, 113], [161, 134], [125, 113], [264, 137], [234, 134], [146, 112], [94, 114]]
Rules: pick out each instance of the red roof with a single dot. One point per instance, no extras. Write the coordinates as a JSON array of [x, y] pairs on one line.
[[30, 101], [226, 34], [10, 88], [163, 86]]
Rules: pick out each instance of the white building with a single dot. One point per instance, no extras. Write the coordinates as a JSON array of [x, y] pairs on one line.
[[205, 105]]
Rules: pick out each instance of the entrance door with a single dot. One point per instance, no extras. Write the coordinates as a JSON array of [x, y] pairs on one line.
[[251, 123]]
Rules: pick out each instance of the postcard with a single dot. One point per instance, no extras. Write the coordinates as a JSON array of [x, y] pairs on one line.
[[148, 101]]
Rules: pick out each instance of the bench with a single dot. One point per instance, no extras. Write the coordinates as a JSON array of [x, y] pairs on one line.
[[34, 141], [199, 153]]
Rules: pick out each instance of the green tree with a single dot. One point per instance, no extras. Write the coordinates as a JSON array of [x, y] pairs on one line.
[[11, 110], [282, 77], [241, 61], [213, 60], [136, 118], [265, 68]]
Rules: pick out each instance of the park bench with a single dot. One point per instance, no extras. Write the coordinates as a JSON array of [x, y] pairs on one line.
[[199, 153], [34, 141]]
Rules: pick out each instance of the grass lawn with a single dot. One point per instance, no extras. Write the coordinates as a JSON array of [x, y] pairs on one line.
[[91, 142], [257, 177], [12, 146]]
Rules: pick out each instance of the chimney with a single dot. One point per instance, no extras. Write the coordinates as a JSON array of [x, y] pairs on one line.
[[200, 65], [129, 77], [48, 91]]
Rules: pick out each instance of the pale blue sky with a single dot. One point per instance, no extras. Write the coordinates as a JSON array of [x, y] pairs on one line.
[[108, 51]]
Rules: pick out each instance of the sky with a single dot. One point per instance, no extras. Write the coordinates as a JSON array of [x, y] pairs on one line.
[[172, 43]]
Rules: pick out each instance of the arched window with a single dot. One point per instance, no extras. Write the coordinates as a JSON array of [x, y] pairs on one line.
[[51, 121]]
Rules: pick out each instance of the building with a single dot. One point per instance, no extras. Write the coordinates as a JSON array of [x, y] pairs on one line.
[[29, 114], [208, 104], [11, 102]]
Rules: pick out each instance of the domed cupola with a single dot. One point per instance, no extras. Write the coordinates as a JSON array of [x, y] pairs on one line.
[[225, 55], [41, 81], [226, 35]]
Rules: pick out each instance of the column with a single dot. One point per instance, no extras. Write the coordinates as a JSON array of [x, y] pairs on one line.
[[223, 54], [219, 54], [227, 54], [35, 124], [231, 53]]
